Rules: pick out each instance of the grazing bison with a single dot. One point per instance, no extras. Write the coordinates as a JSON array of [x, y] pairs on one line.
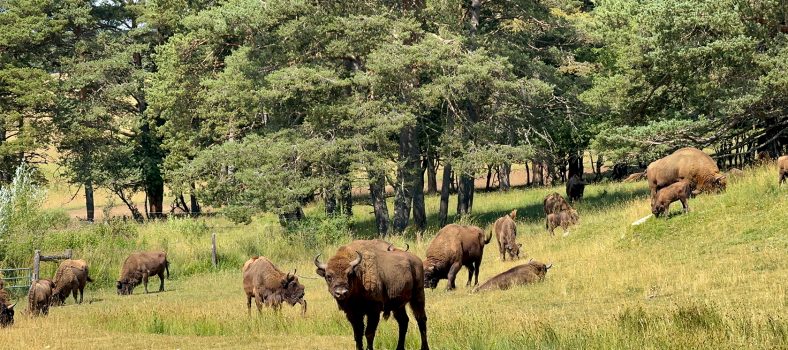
[[531, 272], [366, 281], [138, 267], [685, 164], [452, 248], [575, 188], [782, 163], [70, 278], [563, 219], [264, 282], [554, 203], [39, 297], [506, 235], [679, 191]]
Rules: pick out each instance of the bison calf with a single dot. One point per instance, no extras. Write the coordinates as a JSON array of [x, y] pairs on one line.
[[269, 286], [679, 191], [70, 278], [452, 248], [6, 309], [39, 297], [138, 267], [506, 235], [563, 219], [554, 204], [782, 163], [531, 272], [365, 281]]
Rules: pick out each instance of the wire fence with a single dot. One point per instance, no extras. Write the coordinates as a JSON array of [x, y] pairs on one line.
[[17, 280]]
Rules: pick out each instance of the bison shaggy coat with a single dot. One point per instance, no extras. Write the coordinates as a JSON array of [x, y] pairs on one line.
[[782, 163], [39, 297], [564, 219], [366, 281], [531, 272], [679, 191], [506, 235], [575, 188], [689, 164], [452, 248], [554, 203], [70, 278], [138, 267], [6, 309], [269, 286]]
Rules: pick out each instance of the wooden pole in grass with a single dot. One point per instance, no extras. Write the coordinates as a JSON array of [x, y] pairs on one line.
[[36, 263], [214, 260]]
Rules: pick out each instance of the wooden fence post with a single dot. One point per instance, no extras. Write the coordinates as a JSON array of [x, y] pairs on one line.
[[36, 263], [214, 260], [68, 253]]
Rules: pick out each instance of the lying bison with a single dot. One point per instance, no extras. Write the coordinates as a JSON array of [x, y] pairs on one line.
[[679, 191], [452, 248], [269, 286], [554, 203], [138, 267], [39, 297], [575, 188], [782, 163], [531, 272], [366, 281], [563, 219], [689, 164], [506, 235], [70, 278], [6, 313]]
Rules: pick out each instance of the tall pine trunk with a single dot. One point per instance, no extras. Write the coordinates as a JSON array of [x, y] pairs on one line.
[[504, 171], [89, 203], [377, 194], [432, 176], [443, 212], [465, 195], [419, 210], [403, 188], [330, 201], [346, 197], [195, 204]]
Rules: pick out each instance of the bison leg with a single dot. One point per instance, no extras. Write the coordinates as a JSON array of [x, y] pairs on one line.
[[373, 318], [455, 268], [145, 281], [249, 304], [258, 300], [81, 293], [476, 272], [685, 205], [417, 306], [74, 293], [470, 273], [357, 322], [161, 281], [402, 320]]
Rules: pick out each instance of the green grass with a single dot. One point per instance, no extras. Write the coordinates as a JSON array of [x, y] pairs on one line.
[[716, 278]]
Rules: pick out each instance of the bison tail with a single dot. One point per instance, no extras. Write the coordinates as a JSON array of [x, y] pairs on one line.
[[489, 236], [167, 268]]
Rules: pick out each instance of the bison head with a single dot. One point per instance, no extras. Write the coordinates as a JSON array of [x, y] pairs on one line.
[[126, 286], [339, 275], [293, 290], [431, 277], [6, 314], [514, 249], [720, 182], [540, 268]]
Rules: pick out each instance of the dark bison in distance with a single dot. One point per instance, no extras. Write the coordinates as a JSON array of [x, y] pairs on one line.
[[138, 267], [782, 163], [679, 191], [554, 204], [452, 248], [575, 188], [70, 278], [506, 234], [366, 281], [689, 164], [269, 286], [39, 297], [531, 272]]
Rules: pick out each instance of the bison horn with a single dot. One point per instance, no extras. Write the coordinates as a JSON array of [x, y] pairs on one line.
[[390, 248], [549, 266], [531, 259], [11, 307], [355, 262], [320, 265], [407, 247]]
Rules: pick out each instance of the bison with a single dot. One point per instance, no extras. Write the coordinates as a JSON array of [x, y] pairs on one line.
[[39, 297], [531, 272], [635, 177], [685, 164], [264, 282], [6, 309], [138, 267], [70, 278], [452, 248], [554, 203], [563, 219], [782, 163], [366, 281], [575, 188], [506, 235], [679, 191]]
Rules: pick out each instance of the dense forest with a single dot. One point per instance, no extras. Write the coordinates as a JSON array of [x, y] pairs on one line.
[[268, 105]]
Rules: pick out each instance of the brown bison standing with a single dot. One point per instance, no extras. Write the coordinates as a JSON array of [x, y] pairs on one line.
[[70, 278], [685, 164], [782, 163], [554, 203], [531, 272], [138, 267], [39, 297], [366, 281], [506, 235], [264, 282], [452, 248], [679, 191]]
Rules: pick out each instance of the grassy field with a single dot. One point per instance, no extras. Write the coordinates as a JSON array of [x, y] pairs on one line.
[[716, 278]]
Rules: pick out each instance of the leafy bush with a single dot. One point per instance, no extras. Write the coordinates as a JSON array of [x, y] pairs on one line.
[[21, 219], [319, 231]]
